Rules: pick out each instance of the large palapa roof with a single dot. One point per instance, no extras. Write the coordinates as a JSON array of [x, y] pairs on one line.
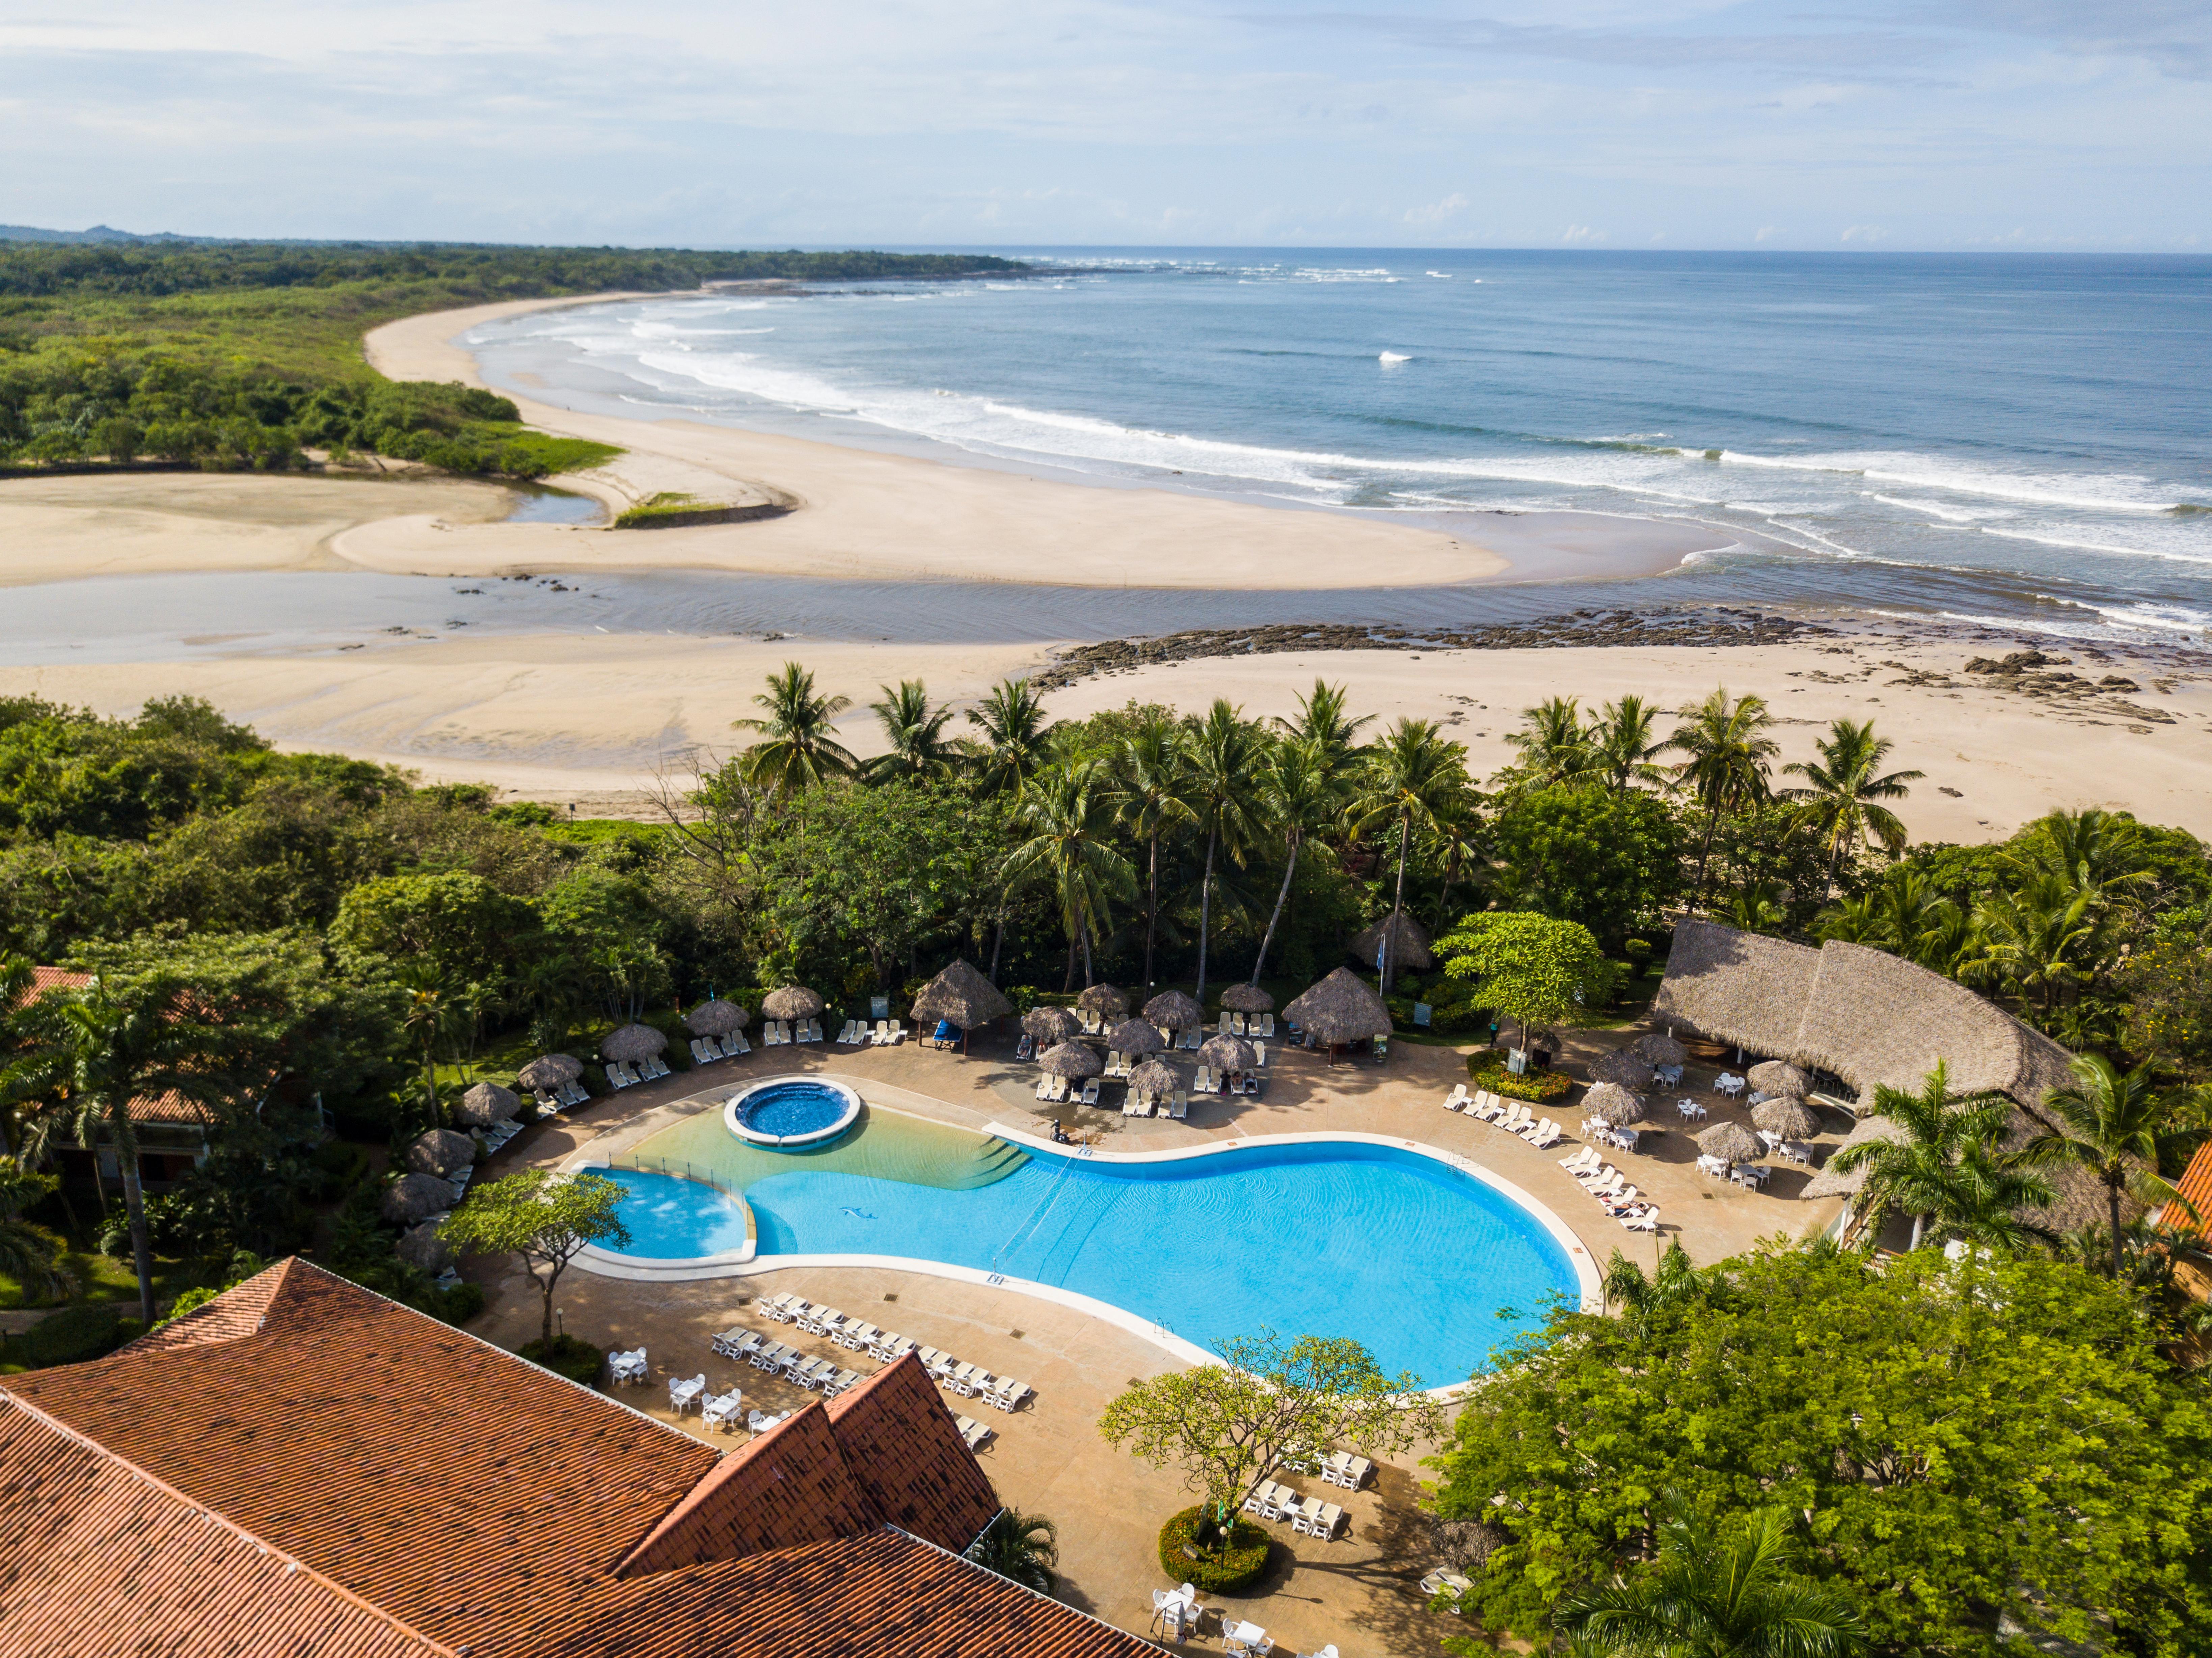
[[297, 1493], [960, 996]]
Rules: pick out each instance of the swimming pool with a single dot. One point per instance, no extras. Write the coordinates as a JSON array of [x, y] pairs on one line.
[[1428, 1266], [788, 1112]]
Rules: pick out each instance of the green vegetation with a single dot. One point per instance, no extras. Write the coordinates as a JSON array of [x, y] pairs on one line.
[[547, 1219], [567, 1355], [669, 503], [1211, 1558], [240, 356], [1990, 1455], [1024, 1547], [1487, 1069]]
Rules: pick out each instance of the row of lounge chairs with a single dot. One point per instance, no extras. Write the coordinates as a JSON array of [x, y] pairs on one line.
[[1610, 1188], [626, 1076], [1309, 1515], [782, 1033], [781, 1358], [1209, 1081], [1054, 1090], [886, 1032], [553, 1101], [706, 1049], [1177, 1105], [1256, 1024], [969, 1381], [1512, 1115]]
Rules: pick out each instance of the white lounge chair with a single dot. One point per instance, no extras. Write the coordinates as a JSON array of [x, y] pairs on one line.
[[1008, 1394], [1622, 1202], [1647, 1221], [1193, 1040], [1458, 1098], [1090, 1090], [760, 1421], [1179, 1107], [975, 1432], [1203, 1082]]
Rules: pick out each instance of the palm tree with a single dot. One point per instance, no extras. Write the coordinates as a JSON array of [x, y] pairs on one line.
[[1225, 799], [109, 1052], [1412, 776], [1150, 775], [1845, 790], [1554, 747], [28, 1253], [1070, 845], [429, 1018], [23, 1068], [1944, 1164], [1715, 1594], [796, 749], [1624, 746], [915, 732], [1676, 1283], [2090, 847], [2044, 935], [1018, 738], [1323, 722], [1304, 793], [1729, 755], [1756, 907], [2112, 1122], [1024, 1547], [1451, 841]]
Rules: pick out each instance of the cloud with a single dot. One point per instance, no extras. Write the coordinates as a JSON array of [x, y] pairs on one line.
[[1864, 233], [1575, 235], [1437, 213]]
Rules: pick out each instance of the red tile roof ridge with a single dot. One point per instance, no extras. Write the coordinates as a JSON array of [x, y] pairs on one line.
[[1134, 1645], [237, 1311], [62, 1430]]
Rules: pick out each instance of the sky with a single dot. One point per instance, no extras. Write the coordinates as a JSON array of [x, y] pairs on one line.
[[1808, 125]]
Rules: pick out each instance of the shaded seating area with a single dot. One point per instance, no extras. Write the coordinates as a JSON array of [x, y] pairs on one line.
[[1100, 1005], [1130, 1041], [958, 1000], [632, 1055], [1339, 1013], [718, 1031], [1178, 1019], [793, 1014], [553, 1081], [1247, 1010]]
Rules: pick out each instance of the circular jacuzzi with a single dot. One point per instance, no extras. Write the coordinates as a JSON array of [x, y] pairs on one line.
[[786, 1112]]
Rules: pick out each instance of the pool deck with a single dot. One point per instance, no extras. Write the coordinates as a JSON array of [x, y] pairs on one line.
[[1361, 1591]]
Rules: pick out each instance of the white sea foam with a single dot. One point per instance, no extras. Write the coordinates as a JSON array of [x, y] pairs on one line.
[[2106, 548], [2116, 492], [1949, 514], [1390, 357]]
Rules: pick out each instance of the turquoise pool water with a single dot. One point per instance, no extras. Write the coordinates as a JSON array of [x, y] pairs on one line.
[[799, 1107], [1429, 1267]]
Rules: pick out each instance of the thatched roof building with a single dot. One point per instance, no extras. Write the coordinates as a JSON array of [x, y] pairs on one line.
[[1409, 946], [716, 1017], [961, 997], [1135, 1036], [1874, 1020], [792, 1002], [1173, 1011], [1071, 1059], [1247, 998], [1048, 1025], [1102, 998], [1342, 1008]]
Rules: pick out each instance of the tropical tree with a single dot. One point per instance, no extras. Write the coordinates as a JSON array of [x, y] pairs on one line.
[[1943, 1162], [2089, 848], [1303, 793], [797, 748], [29, 1254], [1843, 791], [431, 1016], [547, 1218], [2041, 940], [1756, 907], [2112, 1120], [1535, 970], [1151, 777], [1069, 824], [918, 749], [1024, 1547], [1016, 738], [1624, 745], [1677, 1284], [1554, 747], [1226, 799], [1729, 755], [1716, 1592], [1324, 723], [1412, 776], [25, 1075]]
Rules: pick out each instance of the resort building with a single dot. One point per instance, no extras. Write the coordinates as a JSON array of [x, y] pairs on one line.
[[1861, 1019], [303, 1467]]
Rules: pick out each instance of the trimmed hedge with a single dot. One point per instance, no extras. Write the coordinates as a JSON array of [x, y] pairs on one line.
[[1212, 1573], [78, 1334], [1538, 1087], [566, 1355]]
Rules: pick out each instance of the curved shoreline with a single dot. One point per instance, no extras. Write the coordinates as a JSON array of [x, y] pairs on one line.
[[747, 1262]]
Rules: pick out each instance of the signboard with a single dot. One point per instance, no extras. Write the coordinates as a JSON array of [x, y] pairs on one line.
[[879, 1007], [1516, 1061], [1421, 1012]]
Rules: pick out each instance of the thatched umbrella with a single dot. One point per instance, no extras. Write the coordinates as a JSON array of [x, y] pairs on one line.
[[1780, 1076], [1227, 1053], [440, 1152], [961, 997], [1134, 1036], [549, 1071], [1342, 1008], [1247, 998], [1173, 1011], [1154, 1077], [1788, 1116], [1072, 1061], [1048, 1025], [1731, 1141], [716, 1017], [1105, 1000], [485, 1104], [632, 1042], [1620, 1067], [1656, 1047], [1409, 946], [1611, 1102], [792, 1002]]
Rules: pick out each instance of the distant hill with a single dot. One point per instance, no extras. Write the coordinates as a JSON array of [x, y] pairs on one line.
[[99, 233]]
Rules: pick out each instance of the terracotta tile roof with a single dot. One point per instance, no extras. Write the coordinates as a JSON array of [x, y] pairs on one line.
[[170, 1107], [75, 1515], [470, 1501], [44, 979], [2194, 1186]]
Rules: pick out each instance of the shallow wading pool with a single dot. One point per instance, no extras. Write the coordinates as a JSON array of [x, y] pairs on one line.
[[1429, 1266]]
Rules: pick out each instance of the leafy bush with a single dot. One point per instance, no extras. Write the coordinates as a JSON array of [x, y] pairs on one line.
[[565, 1355], [1486, 1069], [76, 1333], [460, 1304], [1213, 1571]]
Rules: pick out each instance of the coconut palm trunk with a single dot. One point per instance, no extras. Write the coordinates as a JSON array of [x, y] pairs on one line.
[[1398, 904], [1151, 902], [1282, 896], [134, 1200], [1206, 912]]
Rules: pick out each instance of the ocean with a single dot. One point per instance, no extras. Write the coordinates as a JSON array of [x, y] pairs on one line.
[[2023, 440]]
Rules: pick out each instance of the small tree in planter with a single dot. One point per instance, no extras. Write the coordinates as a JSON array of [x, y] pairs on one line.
[[1231, 1426], [544, 1218]]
